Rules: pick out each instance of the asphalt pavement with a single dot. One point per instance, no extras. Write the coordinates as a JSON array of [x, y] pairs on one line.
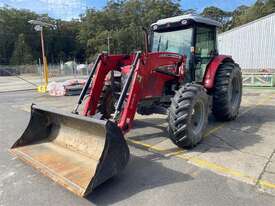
[[150, 178]]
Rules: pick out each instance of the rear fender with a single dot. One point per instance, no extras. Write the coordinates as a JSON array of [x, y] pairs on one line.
[[210, 74]]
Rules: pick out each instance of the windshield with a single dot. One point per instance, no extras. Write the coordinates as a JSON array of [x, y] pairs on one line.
[[172, 41]]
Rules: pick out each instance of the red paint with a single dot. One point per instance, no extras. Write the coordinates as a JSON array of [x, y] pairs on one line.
[[106, 64], [211, 70], [146, 81]]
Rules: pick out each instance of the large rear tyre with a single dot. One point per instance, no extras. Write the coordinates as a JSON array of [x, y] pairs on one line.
[[188, 115], [227, 92], [108, 98]]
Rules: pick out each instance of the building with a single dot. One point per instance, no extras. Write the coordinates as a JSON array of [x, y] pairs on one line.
[[251, 45]]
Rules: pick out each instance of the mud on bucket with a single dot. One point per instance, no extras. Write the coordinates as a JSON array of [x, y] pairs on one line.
[[77, 152]]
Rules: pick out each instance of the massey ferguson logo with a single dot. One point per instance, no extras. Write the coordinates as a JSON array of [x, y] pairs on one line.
[[170, 55]]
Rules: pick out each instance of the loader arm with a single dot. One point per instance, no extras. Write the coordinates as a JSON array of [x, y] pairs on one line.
[[106, 64], [142, 66], [140, 86]]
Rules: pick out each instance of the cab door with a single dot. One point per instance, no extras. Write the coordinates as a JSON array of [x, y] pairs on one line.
[[205, 49]]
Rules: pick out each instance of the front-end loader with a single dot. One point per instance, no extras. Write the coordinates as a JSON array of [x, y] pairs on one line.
[[180, 74]]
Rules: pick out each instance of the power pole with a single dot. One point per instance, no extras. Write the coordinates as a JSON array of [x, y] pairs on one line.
[[45, 63], [38, 26]]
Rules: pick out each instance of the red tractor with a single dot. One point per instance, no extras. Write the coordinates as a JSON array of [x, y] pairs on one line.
[[180, 74]]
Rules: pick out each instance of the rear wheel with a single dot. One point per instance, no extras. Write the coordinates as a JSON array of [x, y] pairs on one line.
[[188, 115], [108, 98], [227, 92]]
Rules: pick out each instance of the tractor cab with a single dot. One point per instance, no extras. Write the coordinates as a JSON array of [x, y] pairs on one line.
[[190, 35]]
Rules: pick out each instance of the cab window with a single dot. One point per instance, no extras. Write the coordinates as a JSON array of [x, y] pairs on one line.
[[205, 49]]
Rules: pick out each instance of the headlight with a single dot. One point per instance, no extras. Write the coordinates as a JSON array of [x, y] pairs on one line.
[[184, 22], [155, 27]]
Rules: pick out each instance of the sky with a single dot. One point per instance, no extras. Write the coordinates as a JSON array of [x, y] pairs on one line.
[[68, 9]]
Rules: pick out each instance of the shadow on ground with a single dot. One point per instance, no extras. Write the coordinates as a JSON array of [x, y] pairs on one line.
[[249, 129], [142, 173], [151, 123], [236, 134]]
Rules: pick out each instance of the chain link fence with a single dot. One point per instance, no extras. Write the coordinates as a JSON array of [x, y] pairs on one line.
[[24, 77], [70, 68]]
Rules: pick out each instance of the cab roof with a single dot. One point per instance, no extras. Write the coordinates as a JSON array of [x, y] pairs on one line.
[[196, 18]]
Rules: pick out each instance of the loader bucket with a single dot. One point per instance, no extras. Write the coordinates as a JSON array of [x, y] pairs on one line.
[[77, 152]]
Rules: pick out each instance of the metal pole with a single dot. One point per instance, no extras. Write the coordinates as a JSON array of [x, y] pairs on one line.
[[40, 71], [45, 65]]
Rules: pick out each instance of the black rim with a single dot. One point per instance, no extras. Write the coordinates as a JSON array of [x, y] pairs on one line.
[[234, 93], [197, 119]]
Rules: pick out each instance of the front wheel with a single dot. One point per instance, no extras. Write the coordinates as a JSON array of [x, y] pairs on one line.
[[188, 115]]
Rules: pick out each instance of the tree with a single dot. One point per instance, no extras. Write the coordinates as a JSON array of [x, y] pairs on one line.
[[123, 20], [61, 44], [270, 6], [245, 14], [242, 14], [21, 54], [218, 14], [238, 17], [14, 22], [256, 11]]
